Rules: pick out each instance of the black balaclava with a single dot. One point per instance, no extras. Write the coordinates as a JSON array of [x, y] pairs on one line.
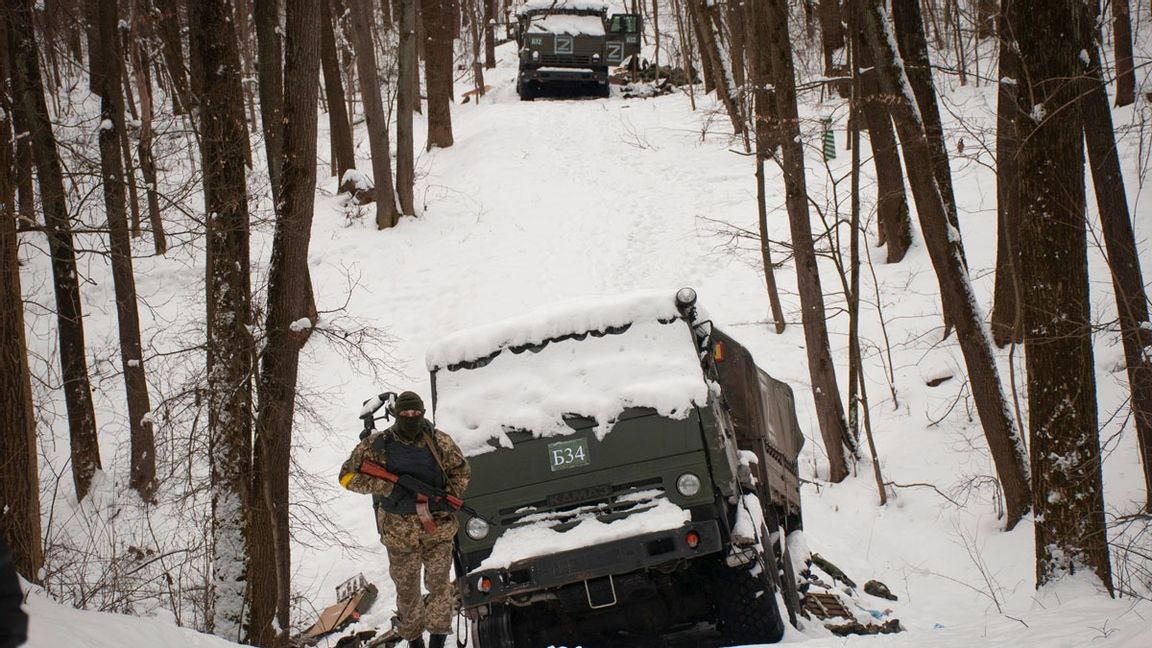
[[409, 426]]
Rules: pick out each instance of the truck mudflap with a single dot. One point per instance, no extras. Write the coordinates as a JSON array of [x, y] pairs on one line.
[[692, 540]]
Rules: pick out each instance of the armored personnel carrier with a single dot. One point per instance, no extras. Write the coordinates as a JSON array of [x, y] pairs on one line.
[[571, 42], [634, 472]]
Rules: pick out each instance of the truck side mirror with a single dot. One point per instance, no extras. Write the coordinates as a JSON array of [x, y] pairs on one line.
[[625, 24]]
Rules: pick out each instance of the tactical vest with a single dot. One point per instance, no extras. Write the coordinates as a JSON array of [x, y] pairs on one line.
[[415, 461]]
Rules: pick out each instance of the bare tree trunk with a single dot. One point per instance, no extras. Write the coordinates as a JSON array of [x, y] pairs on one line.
[[985, 18], [173, 51], [758, 51], [33, 111], [439, 17], [829, 409], [270, 71], [895, 223], [19, 472], [374, 119], [490, 33], [339, 128], [229, 314], [733, 16], [141, 65], [408, 86], [909, 30], [946, 252], [1123, 258], [143, 444], [833, 40], [1069, 503], [718, 63], [1122, 40], [288, 289], [1007, 323]]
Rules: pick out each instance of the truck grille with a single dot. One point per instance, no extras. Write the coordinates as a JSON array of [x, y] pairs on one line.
[[566, 60], [562, 511]]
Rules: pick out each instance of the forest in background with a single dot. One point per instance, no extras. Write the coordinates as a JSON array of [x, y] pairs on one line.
[[138, 127]]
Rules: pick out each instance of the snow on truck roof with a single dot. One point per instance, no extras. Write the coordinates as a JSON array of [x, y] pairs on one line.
[[560, 5], [592, 357], [567, 24]]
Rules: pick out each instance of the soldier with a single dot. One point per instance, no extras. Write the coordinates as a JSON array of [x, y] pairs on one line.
[[13, 621], [416, 533]]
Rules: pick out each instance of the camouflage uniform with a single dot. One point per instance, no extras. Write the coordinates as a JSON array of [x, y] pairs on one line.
[[409, 545]]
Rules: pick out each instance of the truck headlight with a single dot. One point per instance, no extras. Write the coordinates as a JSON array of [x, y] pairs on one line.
[[536, 55], [687, 484], [477, 529], [596, 58]]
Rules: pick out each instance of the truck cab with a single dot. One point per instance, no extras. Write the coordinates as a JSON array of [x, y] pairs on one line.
[[635, 472], [571, 42]]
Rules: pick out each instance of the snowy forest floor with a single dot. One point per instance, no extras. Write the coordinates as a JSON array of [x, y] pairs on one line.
[[557, 198]]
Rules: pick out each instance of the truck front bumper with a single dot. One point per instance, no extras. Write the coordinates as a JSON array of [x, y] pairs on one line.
[[562, 75], [522, 578]]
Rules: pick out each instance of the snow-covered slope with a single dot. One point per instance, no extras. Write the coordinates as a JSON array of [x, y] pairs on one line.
[[556, 199]]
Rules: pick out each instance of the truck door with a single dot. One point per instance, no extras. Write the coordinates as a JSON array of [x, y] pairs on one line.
[[623, 38]]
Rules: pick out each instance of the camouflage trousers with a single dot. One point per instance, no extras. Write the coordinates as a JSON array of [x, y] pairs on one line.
[[410, 551]]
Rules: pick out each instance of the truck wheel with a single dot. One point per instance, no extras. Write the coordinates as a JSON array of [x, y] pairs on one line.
[[525, 91], [495, 630], [745, 605]]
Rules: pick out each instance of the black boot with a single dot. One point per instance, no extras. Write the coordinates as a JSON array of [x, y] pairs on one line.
[[418, 642], [437, 641]]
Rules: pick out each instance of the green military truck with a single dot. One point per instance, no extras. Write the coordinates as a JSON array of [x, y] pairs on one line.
[[634, 471], [571, 42]]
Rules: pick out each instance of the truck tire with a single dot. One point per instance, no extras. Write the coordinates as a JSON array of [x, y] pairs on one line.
[[495, 630], [745, 605], [525, 91]]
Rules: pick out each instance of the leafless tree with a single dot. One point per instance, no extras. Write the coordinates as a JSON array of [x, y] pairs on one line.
[[362, 22], [840, 445], [229, 340], [1068, 491], [143, 444], [947, 254], [32, 111], [19, 465], [440, 27]]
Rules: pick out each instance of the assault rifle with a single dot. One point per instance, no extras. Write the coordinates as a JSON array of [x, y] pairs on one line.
[[430, 493]]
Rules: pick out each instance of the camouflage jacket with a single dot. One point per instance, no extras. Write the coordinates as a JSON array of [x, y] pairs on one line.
[[405, 531]]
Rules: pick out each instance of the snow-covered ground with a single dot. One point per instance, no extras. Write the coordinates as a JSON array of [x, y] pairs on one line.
[[556, 199]]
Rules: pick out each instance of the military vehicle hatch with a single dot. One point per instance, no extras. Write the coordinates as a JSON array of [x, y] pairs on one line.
[[635, 470], [571, 42]]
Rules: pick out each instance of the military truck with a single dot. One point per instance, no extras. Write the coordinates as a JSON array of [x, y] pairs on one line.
[[634, 470], [571, 42]]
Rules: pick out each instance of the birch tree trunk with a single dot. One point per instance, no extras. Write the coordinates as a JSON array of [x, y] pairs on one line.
[[947, 255]]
